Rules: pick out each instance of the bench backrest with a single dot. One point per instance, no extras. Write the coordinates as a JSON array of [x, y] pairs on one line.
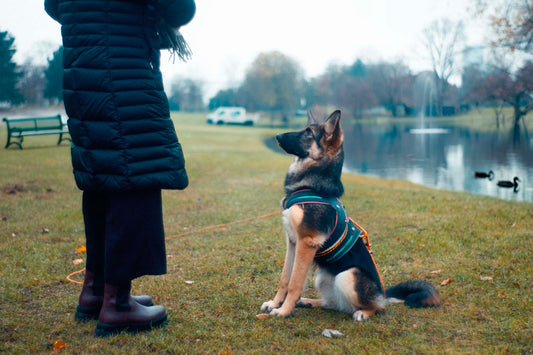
[[34, 123]]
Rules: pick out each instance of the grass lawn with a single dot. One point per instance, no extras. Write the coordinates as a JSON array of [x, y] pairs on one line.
[[218, 278]]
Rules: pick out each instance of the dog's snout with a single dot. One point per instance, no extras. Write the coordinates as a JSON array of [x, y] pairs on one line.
[[278, 137]]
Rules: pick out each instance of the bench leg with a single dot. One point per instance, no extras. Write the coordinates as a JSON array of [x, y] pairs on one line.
[[19, 143], [61, 139]]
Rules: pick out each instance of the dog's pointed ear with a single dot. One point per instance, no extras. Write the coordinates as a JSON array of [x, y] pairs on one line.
[[311, 118], [332, 125]]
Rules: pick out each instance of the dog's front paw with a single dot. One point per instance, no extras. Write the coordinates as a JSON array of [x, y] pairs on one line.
[[268, 306], [360, 316], [280, 312]]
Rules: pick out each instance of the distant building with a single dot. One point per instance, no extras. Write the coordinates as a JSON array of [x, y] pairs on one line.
[[474, 55]]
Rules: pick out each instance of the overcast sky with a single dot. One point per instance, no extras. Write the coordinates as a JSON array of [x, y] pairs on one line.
[[226, 36]]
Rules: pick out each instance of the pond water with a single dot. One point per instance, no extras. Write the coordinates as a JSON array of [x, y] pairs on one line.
[[441, 156]]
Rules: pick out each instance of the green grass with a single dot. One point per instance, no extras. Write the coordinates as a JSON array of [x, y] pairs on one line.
[[414, 231]]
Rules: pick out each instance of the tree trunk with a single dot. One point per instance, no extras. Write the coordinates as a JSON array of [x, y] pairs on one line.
[[394, 109], [517, 112]]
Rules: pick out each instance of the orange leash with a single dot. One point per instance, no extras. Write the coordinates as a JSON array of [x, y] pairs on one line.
[[187, 233], [222, 225], [75, 273]]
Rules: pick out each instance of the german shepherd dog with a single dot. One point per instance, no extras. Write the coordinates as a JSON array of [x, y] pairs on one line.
[[349, 281]]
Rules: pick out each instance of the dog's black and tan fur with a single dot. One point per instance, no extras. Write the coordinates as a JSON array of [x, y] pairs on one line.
[[318, 166]]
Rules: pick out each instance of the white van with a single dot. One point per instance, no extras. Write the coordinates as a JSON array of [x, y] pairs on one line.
[[231, 115]]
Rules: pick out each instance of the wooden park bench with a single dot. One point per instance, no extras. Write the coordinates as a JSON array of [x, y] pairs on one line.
[[18, 128]]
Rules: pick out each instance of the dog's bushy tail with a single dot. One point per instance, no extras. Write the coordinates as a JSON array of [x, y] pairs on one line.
[[415, 294]]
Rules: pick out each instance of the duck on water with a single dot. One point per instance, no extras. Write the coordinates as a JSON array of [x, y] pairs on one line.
[[482, 174], [507, 183]]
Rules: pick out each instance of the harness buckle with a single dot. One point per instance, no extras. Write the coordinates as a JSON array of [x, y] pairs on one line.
[[367, 242]]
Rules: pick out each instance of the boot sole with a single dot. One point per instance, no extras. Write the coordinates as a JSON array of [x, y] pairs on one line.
[[105, 330], [86, 314]]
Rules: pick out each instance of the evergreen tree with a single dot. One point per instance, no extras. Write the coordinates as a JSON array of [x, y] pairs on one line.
[[8, 70], [54, 76]]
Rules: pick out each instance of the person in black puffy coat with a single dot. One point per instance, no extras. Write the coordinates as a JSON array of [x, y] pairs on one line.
[[124, 148]]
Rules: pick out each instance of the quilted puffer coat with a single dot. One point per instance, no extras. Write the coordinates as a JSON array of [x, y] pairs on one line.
[[119, 120]]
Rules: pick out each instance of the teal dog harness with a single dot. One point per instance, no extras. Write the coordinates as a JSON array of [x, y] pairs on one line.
[[347, 246]]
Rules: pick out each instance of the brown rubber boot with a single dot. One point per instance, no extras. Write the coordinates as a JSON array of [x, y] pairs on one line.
[[120, 312], [92, 297]]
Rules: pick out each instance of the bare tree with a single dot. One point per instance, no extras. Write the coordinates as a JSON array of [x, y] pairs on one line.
[[186, 94], [520, 97], [32, 83], [391, 83], [274, 83], [354, 94], [499, 86], [479, 88], [511, 21], [444, 41]]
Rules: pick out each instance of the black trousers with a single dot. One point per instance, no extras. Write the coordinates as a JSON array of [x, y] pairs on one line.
[[124, 235]]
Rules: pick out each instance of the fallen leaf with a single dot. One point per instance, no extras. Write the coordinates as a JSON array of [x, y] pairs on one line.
[[77, 261], [485, 278], [59, 345], [81, 249], [189, 282], [262, 315], [446, 282], [436, 271], [433, 210]]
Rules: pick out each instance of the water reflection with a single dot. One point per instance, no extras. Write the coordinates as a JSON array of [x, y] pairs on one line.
[[443, 157]]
